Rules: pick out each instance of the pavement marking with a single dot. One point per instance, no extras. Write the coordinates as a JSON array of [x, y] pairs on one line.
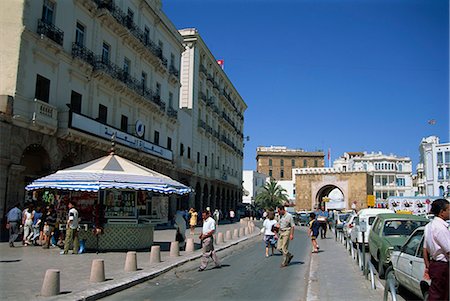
[[313, 283]]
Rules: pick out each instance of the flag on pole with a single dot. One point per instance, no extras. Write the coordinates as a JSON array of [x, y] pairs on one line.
[[221, 63], [329, 154], [329, 157], [432, 121]]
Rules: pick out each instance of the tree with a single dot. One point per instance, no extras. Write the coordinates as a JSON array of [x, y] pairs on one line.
[[271, 195]]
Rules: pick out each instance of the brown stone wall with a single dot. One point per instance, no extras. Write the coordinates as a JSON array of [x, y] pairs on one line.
[[263, 166]]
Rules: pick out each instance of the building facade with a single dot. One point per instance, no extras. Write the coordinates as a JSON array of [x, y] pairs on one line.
[[392, 175], [71, 81], [433, 170], [252, 182], [278, 161]]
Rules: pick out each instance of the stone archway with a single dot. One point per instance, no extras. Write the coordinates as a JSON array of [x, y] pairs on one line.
[[206, 200], [198, 198], [325, 199], [213, 198], [36, 161]]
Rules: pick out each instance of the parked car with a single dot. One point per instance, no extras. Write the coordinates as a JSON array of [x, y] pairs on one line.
[[339, 220], [368, 216], [408, 265], [303, 218], [349, 224], [390, 230]]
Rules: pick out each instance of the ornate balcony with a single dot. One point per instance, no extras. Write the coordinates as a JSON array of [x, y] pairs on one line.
[[172, 113], [50, 31], [174, 71], [83, 53]]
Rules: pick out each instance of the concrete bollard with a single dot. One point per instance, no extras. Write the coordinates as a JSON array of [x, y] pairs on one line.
[[220, 239], [236, 234], [131, 262], [190, 245], [174, 249], [155, 254], [228, 235], [51, 287], [246, 231], [97, 270], [241, 232]]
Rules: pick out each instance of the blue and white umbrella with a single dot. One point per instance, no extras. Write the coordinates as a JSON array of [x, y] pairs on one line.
[[110, 172]]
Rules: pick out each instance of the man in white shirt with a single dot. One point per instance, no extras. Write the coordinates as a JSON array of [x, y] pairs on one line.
[[207, 239], [436, 250], [72, 230]]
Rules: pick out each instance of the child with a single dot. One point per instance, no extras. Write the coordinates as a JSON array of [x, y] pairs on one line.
[[313, 231]]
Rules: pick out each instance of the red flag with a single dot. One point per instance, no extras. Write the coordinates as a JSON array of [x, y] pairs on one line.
[[328, 154], [220, 62], [432, 121]]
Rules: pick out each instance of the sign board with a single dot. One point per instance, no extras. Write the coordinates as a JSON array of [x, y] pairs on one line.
[[370, 200]]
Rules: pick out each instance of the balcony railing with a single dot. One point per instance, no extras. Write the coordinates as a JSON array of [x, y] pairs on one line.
[[172, 112], [173, 71], [44, 113], [50, 31], [83, 53]]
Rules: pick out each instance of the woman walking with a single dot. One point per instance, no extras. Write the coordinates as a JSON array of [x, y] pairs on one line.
[[192, 220], [269, 236], [27, 225]]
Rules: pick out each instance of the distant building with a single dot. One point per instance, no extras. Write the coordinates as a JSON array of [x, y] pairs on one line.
[[433, 170], [253, 181], [278, 161], [392, 175]]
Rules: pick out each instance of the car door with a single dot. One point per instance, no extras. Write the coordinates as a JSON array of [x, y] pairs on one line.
[[418, 268], [406, 259]]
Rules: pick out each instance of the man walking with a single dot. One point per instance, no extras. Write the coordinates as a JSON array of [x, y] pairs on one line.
[[286, 234], [13, 218], [72, 230], [436, 250], [207, 239]]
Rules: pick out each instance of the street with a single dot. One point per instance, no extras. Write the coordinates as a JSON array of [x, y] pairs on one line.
[[246, 275]]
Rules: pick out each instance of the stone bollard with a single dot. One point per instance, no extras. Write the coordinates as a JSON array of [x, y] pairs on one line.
[[247, 231], [97, 270], [190, 245], [241, 232], [174, 249], [236, 234], [220, 239], [131, 262], [50, 287], [228, 235], [155, 254]]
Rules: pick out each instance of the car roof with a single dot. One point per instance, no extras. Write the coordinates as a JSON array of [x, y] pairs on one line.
[[410, 217]]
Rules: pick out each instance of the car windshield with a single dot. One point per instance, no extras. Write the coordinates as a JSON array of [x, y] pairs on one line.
[[343, 217], [401, 227], [349, 217], [371, 219]]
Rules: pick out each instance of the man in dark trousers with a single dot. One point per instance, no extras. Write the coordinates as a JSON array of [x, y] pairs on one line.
[[436, 250], [14, 219]]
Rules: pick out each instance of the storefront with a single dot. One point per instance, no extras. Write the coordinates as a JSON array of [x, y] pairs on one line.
[[119, 201]]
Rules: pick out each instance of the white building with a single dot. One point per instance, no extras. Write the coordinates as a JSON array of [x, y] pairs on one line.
[[212, 118], [392, 175], [253, 181], [433, 171]]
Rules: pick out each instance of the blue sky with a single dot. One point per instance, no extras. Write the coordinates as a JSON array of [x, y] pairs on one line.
[[349, 75]]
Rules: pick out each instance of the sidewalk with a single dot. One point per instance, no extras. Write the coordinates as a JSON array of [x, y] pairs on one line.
[[335, 276], [22, 269]]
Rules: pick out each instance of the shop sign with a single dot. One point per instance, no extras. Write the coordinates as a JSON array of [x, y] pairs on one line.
[[96, 128]]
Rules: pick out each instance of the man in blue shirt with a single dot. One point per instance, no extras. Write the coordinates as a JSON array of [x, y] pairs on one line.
[[14, 219], [322, 218]]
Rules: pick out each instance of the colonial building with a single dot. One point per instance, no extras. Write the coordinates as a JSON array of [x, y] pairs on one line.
[[278, 161], [70, 81], [433, 171], [211, 135], [392, 175]]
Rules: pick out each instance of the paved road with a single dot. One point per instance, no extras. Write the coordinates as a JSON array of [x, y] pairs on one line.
[[246, 275]]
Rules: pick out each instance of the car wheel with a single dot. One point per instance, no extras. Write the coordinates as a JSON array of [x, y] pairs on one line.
[[390, 275], [380, 269]]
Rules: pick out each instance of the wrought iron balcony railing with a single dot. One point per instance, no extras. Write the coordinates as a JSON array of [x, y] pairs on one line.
[[50, 31], [83, 53], [173, 70], [172, 112]]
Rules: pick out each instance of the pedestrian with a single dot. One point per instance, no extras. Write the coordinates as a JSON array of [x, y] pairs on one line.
[[270, 237], [436, 250], [180, 225], [27, 221], [37, 220], [49, 226], [71, 230], [13, 219], [232, 214], [216, 216], [192, 220], [286, 233], [313, 231], [322, 218], [207, 239]]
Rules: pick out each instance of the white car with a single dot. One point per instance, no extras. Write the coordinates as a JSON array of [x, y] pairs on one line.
[[348, 225], [368, 216], [408, 265]]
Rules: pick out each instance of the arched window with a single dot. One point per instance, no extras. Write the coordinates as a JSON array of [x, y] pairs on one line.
[[400, 167], [441, 191]]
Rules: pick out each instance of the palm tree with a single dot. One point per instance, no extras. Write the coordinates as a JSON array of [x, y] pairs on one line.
[[271, 195]]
